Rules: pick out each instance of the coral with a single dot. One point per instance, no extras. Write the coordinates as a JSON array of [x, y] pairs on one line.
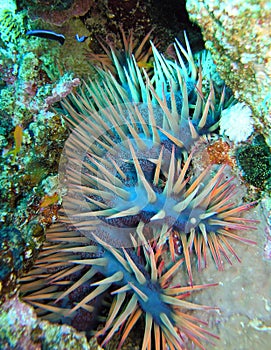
[[30, 166], [236, 122], [242, 53], [11, 23], [56, 12], [61, 90], [12, 246], [219, 153], [15, 320], [31, 138], [20, 329], [255, 161], [29, 71]]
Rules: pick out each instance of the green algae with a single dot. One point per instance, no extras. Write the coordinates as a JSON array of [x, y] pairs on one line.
[[255, 161], [11, 25]]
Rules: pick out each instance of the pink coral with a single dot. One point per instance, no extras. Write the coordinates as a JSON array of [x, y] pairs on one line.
[[61, 90]]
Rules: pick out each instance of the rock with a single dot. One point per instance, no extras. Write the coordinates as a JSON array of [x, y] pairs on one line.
[[238, 35], [21, 329]]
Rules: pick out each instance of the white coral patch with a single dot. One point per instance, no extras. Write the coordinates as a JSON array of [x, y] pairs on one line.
[[236, 122]]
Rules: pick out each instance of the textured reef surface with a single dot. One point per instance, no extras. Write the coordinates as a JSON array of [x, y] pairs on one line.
[[31, 139], [157, 174], [24, 331], [237, 33]]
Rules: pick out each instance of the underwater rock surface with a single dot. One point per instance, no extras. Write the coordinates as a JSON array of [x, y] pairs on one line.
[[20, 329], [243, 296], [56, 12]]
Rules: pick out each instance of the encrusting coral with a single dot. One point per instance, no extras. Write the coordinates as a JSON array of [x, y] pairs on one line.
[[131, 196], [56, 12], [21, 329], [242, 53]]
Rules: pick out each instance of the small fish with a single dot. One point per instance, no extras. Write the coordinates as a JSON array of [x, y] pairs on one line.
[[142, 64], [81, 39], [47, 34], [18, 138], [49, 200]]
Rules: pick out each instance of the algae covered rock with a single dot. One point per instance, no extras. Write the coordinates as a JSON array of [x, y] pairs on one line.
[[237, 33], [255, 161], [21, 329], [11, 256], [31, 140]]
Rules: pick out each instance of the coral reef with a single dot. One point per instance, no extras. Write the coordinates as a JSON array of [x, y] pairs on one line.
[[242, 53], [143, 209], [31, 136], [169, 20], [12, 257], [56, 12], [219, 153], [23, 330]]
